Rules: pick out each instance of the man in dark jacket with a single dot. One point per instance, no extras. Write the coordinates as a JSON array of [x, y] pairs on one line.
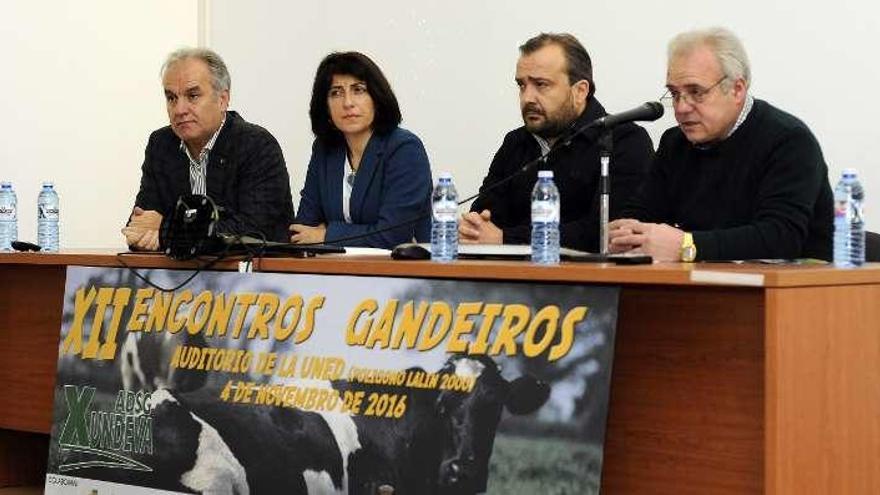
[[737, 178], [555, 78], [211, 151]]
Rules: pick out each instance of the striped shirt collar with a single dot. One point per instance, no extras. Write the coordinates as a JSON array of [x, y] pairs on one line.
[[747, 107], [210, 144], [198, 169]]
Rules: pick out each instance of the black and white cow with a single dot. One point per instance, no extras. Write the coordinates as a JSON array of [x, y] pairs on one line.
[[144, 362], [444, 442], [470, 420], [205, 446], [256, 449], [188, 454], [442, 445]]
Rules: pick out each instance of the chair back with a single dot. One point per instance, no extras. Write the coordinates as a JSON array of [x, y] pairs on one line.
[[872, 246]]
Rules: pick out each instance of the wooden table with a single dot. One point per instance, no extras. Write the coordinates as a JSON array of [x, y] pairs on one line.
[[727, 378]]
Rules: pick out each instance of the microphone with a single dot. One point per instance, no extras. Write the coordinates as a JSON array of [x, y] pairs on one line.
[[190, 230], [647, 112]]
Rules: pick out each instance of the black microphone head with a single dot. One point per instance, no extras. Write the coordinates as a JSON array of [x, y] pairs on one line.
[[656, 108], [646, 112], [190, 229]]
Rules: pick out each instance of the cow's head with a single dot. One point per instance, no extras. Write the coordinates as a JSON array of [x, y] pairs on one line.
[[145, 358], [470, 419]]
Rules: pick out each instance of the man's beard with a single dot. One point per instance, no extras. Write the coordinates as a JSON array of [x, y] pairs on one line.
[[554, 125]]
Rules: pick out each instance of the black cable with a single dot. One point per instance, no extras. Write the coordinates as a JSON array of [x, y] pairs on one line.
[[252, 254], [152, 284]]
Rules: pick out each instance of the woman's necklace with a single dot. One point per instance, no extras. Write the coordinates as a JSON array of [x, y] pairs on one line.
[[352, 170]]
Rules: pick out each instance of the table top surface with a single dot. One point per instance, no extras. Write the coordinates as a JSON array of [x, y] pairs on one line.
[[725, 274]]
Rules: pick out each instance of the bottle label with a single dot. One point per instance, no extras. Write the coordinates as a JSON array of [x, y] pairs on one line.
[[445, 211], [47, 213], [847, 210], [840, 207], [7, 213], [545, 211]]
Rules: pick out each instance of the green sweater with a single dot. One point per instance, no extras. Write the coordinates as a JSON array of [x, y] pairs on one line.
[[761, 193]]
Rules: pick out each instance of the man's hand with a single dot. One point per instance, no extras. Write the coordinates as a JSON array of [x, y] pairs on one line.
[[477, 228], [307, 234], [142, 232], [618, 230], [150, 219], [662, 242]]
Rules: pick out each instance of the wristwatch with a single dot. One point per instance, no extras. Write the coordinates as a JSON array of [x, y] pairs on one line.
[[688, 248]]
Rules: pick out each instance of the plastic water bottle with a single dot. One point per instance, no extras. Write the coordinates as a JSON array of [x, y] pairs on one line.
[[545, 220], [47, 217], [444, 224], [8, 216], [849, 224]]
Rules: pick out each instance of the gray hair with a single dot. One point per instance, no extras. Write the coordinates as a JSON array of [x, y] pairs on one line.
[[220, 79], [728, 50]]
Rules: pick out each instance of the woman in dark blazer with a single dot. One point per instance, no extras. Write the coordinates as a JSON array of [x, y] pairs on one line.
[[369, 181]]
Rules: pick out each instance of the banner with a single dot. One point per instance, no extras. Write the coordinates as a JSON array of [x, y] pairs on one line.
[[287, 383]]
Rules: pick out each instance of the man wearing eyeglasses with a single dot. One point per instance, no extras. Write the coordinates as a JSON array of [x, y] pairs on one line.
[[556, 95], [737, 178]]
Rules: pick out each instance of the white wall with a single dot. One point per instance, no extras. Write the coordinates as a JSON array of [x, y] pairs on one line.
[[79, 95], [80, 92], [451, 63]]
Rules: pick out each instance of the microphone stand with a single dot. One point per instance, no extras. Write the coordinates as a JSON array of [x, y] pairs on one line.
[[605, 149]]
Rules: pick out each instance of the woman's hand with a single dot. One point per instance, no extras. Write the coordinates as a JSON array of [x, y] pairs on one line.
[[307, 234]]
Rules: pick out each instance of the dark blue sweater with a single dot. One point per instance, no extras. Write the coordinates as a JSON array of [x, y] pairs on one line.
[[761, 193]]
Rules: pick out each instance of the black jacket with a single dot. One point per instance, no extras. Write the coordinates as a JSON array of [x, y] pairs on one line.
[[576, 173], [246, 175], [761, 193]]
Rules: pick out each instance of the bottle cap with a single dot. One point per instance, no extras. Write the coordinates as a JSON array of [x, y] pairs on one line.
[[48, 183], [6, 185], [445, 175], [850, 172], [545, 174]]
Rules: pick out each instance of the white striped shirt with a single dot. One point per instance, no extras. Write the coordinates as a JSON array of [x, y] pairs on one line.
[[348, 175], [198, 169], [747, 107]]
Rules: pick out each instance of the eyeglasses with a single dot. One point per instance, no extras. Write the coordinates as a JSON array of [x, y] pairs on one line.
[[691, 94]]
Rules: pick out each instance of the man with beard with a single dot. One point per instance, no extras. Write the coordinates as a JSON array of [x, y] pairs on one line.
[[555, 78]]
